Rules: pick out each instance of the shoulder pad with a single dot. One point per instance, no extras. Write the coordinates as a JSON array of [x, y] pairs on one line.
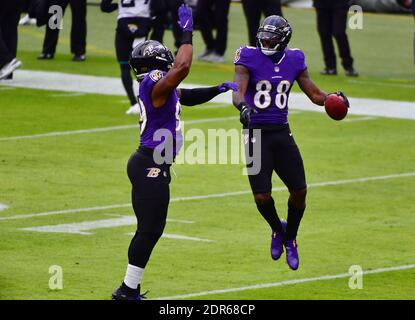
[[242, 51]]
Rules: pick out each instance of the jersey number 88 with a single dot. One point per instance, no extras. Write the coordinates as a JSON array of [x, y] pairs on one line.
[[262, 99]]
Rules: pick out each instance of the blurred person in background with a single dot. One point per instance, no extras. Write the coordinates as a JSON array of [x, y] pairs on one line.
[[253, 10], [9, 19], [213, 14], [332, 22], [133, 27], [78, 31], [161, 10]]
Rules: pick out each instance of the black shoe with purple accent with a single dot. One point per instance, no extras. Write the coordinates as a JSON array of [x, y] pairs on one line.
[[125, 293]]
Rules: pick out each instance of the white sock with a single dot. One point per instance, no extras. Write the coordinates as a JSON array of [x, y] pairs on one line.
[[133, 276]]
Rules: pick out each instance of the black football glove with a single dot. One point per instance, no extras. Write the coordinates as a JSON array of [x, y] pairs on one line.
[[245, 114], [341, 94]]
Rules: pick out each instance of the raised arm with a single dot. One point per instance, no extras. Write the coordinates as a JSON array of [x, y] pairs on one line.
[[193, 97], [182, 63], [310, 89]]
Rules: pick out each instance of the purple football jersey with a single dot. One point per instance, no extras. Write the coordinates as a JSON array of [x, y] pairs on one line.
[[270, 83], [153, 119]]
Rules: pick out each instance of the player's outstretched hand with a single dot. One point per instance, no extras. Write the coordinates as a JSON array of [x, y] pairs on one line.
[[341, 94], [226, 86], [185, 18]]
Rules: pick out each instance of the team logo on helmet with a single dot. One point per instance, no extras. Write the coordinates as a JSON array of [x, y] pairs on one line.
[[151, 49]]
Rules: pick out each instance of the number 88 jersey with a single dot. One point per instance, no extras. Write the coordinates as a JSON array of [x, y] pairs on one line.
[[270, 83]]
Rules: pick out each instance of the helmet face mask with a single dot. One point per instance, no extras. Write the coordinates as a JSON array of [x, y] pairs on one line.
[[148, 56], [269, 42], [273, 35]]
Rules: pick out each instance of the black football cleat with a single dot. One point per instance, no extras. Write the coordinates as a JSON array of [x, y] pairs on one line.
[[351, 72], [329, 72], [7, 69], [119, 294], [79, 58], [128, 295], [45, 56]]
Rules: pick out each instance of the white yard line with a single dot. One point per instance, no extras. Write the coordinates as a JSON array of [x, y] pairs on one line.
[[69, 94], [180, 237], [85, 227], [67, 133], [283, 283], [358, 119], [106, 129], [127, 127], [112, 86], [388, 84], [209, 196]]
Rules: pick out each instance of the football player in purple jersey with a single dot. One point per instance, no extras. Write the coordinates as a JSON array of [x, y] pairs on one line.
[[265, 75], [159, 75]]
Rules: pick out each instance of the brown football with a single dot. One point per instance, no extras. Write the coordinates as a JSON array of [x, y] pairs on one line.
[[335, 107]]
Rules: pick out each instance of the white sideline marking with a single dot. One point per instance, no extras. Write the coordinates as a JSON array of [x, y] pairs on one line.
[[69, 94], [126, 127], [208, 196], [6, 88], [3, 206], [83, 227], [179, 237], [283, 283], [67, 133], [106, 129], [358, 119], [112, 86], [372, 83]]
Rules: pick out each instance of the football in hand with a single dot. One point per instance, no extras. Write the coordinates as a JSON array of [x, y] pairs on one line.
[[336, 106]]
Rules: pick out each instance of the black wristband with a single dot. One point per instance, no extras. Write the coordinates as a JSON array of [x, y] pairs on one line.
[[187, 37], [241, 105]]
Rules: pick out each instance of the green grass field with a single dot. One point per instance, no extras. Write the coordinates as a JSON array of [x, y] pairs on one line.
[[351, 221]]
